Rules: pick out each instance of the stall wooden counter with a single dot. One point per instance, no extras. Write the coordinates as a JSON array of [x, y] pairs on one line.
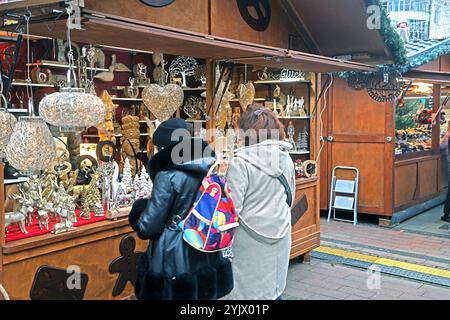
[[92, 248]]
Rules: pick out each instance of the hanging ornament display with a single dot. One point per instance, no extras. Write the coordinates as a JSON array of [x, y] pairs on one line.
[[31, 147], [385, 86], [184, 66], [72, 108], [246, 94]]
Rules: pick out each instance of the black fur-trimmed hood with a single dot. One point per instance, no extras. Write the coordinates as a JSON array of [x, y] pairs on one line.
[[192, 155]]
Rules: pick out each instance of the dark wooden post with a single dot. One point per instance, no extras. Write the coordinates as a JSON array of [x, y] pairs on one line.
[[436, 134], [211, 80], [2, 219]]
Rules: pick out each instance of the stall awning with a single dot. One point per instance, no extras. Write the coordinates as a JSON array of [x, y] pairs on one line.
[[120, 32], [341, 27]]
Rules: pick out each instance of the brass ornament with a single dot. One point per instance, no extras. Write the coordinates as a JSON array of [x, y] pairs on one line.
[[163, 102], [246, 94]]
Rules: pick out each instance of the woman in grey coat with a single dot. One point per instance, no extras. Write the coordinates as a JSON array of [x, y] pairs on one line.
[[262, 242]]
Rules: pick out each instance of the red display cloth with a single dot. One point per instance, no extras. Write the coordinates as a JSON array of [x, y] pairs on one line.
[[33, 230]]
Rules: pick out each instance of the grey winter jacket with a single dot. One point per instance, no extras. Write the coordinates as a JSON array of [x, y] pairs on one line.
[[262, 242]]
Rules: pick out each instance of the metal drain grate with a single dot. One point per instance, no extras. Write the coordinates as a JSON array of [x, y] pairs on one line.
[[384, 268]]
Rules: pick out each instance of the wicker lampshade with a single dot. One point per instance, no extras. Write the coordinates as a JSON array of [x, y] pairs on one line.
[[31, 147], [72, 108]]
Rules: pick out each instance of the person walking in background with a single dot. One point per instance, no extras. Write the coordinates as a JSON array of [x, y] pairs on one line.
[[445, 149], [171, 269], [262, 242]]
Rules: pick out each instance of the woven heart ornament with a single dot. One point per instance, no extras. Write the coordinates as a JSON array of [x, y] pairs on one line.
[[163, 101], [246, 94]]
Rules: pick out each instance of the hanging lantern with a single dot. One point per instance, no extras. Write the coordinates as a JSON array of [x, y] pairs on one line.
[[72, 108], [7, 124], [31, 147]]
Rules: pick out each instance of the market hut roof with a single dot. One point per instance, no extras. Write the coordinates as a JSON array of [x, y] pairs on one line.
[[341, 28], [424, 51]]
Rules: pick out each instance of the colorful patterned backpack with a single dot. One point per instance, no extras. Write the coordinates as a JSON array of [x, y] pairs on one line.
[[211, 223]]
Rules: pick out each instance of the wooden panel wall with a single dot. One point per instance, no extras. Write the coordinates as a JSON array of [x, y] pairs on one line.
[[219, 18], [417, 180], [189, 15], [433, 66], [306, 233], [406, 187], [226, 21], [359, 127], [445, 63]]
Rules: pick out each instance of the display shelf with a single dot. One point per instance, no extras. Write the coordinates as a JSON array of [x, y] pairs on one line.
[[200, 121], [256, 99], [299, 152], [116, 135], [18, 110], [126, 99], [282, 81], [15, 181], [305, 180], [56, 64], [25, 84], [296, 117], [194, 89]]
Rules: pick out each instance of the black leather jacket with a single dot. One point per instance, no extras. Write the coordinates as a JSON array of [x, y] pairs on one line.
[[175, 186], [174, 189]]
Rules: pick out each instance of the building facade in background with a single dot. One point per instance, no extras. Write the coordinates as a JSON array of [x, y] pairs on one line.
[[427, 19]]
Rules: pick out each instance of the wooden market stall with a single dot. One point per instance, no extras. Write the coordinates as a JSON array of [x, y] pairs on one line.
[[200, 32], [403, 172]]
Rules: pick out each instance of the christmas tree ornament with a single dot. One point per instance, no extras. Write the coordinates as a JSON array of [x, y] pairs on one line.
[[127, 180], [72, 108], [91, 199], [303, 141]]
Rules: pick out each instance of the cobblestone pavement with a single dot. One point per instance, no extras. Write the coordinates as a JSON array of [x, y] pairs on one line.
[[320, 279]]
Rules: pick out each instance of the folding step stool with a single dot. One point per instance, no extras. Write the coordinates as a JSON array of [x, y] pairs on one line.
[[344, 195]]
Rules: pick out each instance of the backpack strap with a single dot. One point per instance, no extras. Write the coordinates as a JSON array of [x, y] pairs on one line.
[[285, 184]]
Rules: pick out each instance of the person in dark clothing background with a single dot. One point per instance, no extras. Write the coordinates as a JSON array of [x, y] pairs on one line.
[[175, 186], [445, 150]]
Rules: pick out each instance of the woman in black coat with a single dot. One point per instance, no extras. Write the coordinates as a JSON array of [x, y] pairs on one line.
[[176, 176]]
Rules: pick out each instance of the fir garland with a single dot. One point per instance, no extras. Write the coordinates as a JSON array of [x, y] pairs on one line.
[[390, 36]]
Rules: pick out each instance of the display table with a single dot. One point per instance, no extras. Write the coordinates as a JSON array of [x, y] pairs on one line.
[[91, 247]]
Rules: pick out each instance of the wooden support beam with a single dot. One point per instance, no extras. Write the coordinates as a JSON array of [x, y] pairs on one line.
[[436, 134], [210, 84], [2, 219]]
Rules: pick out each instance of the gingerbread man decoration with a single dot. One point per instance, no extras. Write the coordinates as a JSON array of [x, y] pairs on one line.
[[126, 265]]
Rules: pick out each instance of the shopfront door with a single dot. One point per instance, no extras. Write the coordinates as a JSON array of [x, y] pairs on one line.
[[361, 132]]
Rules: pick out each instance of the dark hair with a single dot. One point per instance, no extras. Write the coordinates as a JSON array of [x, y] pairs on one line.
[[257, 120]]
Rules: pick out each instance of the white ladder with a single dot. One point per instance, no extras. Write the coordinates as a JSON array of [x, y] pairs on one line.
[[344, 194]]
